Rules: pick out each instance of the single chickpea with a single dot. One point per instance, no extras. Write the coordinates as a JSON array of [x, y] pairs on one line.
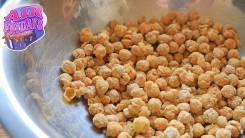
[[223, 133], [204, 81], [209, 57], [80, 63], [90, 61], [79, 75], [153, 61], [100, 120], [241, 92], [104, 71], [152, 37], [152, 75], [221, 80], [203, 39], [227, 112], [174, 81], [193, 57], [212, 34], [141, 124], [184, 96], [193, 24], [184, 117], [234, 101], [206, 21], [163, 49], [162, 61], [195, 34], [183, 107], [220, 40], [210, 116], [169, 57], [96, 108], [170, 111], [124, 54], [110, 109], [218, 53], [113, 95], [128, 127], [242, 60], [228, 91], [113, 129], [171, 95], [199, 119], [234, 62], [165, 19], [234, 127], [156, 26], [151, 89], [154, 105], [136, 38], [228, 31], [160, 124], [101, 86], [78, 53], [164, 38], [117, 46], [208, 100], [172, 29], [144, 28], [124, 135], [233, 53], [120, 30], [140, 79], [117, 71], [204, 48], [68, 67], [125, 78], [149, 134], [173, 47], [139, 50], [171, 131], [162, 83], [187, 33], [221, 122], [144, 111], [238, 113], [179, 38], [193, 15], [195, 106], [181, 18], [198, 130], [86, 35], [177, 124], [142, 65], [242, 122]]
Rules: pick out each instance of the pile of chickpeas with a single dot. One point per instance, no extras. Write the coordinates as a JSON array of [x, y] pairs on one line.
[[178, 77]]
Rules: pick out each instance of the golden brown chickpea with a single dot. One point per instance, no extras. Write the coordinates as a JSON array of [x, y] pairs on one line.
[[152, 37], [165, 20], [204, 81], [242, 122], [173, 47], [193, 15], [234, 101], [142, 65], [117, 47], [144, 28], [198, 130], [181, 18], [212, 34], [204, 48], [86, 35], [151, 89], [234, 127], [241, 92], [152, 75], [208, 100], [164, 38], [140, 79], [223, 133], [120, 30], [187, 33], [228, 91], [100, 120], [221, 79], [156, 26], [228, 31], [172, 29], [174, 81], [191, 45], [124, 54], [227, 112], [170, 111], [141, 124], [153, 61], [88, 49], [233, 53], [218, 27], [218, 53], [179, 38], [220, 40], [238, 113], [171, 95]]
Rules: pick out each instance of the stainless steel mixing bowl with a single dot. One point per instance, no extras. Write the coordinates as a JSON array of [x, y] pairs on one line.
[[32, 103]]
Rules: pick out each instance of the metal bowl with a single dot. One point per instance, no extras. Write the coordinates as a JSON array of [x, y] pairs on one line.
[[32, 103]]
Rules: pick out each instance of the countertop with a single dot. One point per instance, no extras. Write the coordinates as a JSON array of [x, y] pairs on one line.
[[3, 132]]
